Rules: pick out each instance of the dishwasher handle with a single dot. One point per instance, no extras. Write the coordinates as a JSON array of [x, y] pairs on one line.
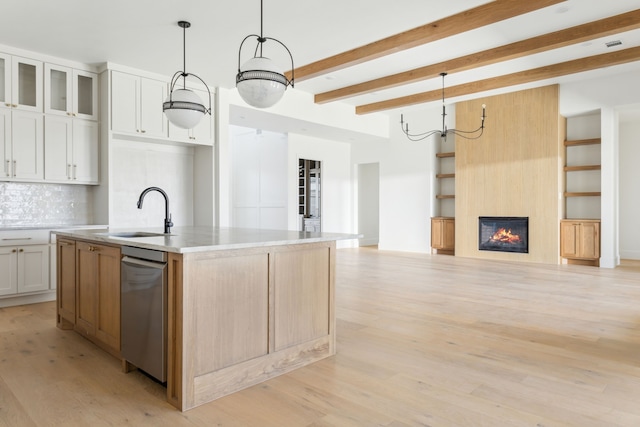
[[144, 263]]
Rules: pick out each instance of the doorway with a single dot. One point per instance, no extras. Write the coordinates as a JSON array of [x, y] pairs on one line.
[[310, 195], [369, 203]]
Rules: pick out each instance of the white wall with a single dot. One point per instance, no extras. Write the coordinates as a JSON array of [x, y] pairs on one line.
[[629, 177], [139, 165], [406, 181]]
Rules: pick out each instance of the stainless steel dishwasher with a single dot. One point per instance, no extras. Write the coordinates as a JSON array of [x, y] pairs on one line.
[[144, 310]]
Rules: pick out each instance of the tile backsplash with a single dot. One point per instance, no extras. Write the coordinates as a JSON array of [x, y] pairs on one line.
[[42, 205]]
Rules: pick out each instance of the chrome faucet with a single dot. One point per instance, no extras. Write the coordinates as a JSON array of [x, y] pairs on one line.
[[167, 216]]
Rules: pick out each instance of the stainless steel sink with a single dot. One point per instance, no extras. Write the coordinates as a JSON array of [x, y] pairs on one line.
[[133, 234]]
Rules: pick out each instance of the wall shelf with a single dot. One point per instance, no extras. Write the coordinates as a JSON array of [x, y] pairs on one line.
[[577, 142], [445, 196], [445, 175], [582, 194], [448, 154], [582, 168]]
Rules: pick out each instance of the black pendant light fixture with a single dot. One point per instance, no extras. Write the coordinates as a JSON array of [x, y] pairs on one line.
[[183, 107], [471, 134], [259, 81]]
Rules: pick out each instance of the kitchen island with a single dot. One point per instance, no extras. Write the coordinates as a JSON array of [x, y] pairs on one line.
[[243, 306]]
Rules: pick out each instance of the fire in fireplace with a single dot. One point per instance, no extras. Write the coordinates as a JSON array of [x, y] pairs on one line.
[[503, 234]]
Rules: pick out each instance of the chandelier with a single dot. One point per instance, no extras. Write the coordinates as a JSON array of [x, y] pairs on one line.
[[471, 134], [183, 107], [260, 82]]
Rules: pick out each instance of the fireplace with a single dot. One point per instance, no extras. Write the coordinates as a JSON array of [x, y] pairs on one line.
[[503, 234]]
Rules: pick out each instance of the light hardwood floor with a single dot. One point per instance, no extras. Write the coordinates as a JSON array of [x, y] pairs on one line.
[[422, 340]]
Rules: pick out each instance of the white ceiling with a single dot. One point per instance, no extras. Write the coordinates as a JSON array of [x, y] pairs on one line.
[[144, 34]]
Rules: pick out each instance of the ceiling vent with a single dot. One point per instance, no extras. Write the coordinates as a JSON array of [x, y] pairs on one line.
[[613, 43]]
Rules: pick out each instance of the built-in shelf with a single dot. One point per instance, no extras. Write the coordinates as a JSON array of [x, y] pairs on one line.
[[445, 175], [582, 168], [576, 142], [449, 154], [582, 194], [445, 196]]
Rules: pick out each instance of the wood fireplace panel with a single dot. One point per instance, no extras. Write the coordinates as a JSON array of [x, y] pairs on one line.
[[514, 169]]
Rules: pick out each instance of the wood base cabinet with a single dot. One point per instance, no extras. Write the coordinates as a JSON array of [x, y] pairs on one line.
[[443, 235], [580, 241], [92, 304], [66, 283]]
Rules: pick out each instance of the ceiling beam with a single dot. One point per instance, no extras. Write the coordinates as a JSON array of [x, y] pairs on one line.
[[480, 16], [542, 73], [578, 34]]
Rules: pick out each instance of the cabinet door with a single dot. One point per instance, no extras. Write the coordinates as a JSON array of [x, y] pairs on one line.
[[5, 80], [27, 145], [84, 168], [152, 120], [66, 278], [58, 134], [86, 288], [5, 144], [33, 268], [590, 240], [437, 234], [108, 292], [569, 233], [449, 234], [85, 95], [9, 268], [26, 84], [125, 90], [58, 94]]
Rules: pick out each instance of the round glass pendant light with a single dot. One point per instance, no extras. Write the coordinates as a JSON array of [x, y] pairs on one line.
[[183, 107], [259, 81]]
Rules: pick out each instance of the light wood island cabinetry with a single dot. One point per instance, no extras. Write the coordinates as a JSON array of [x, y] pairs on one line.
[[66, 283], [243, 306], [98, 294]]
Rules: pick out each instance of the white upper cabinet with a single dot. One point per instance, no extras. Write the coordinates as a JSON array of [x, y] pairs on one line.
[[24, 149], [20, 83], [136, 105], [70, 92], [71, 150]]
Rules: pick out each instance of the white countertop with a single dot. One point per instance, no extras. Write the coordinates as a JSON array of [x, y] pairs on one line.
[[202, 239]]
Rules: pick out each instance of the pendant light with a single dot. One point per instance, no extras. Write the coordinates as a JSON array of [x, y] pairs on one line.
[[260, 82], [183, 107], [472, 134]]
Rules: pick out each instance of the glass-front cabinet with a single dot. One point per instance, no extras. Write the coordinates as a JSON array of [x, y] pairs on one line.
[[70, 92], [20, 83]]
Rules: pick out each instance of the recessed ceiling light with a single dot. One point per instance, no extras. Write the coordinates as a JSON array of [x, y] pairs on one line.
[[562, 9], [330, 77], [613, 43]]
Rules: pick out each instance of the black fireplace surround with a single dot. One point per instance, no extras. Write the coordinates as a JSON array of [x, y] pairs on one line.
[[503, 234]]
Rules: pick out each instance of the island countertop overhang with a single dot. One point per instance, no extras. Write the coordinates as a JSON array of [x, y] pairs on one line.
[[202, 239]]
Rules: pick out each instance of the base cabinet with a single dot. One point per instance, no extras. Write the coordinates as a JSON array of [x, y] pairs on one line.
[[580, 241], [97, 294], [443, 235], [25, 269], [66, 283]]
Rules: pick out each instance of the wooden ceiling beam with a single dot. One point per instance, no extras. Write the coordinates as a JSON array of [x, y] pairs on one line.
[[486, 14], [578, 34], [542, 73]]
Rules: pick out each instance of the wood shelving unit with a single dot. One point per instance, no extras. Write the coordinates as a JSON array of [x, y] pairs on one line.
[[581, 168]]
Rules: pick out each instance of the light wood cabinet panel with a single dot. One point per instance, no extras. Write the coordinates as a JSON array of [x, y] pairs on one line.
[[443, 234], [66, 283], [98, 294], [302, 289], [580, 239]]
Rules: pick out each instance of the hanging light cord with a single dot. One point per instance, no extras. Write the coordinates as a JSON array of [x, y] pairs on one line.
[[444, 132]]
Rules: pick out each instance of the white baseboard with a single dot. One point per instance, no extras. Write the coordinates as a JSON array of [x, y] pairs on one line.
[[10, 301]]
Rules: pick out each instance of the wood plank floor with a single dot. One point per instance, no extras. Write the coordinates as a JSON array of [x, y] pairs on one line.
[[422, 340]]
